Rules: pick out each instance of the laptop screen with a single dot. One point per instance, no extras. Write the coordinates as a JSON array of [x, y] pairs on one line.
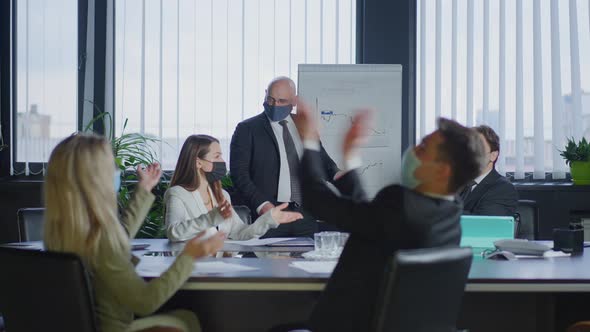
[[480, 232]]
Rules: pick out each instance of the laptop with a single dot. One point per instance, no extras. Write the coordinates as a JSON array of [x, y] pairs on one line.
[[480, 232]]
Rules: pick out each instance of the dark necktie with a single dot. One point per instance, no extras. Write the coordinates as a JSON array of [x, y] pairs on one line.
[[467, 190], [293, 160]]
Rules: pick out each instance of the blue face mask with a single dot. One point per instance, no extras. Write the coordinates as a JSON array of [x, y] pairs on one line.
[[117, 180], [277, 113], [410, 163]]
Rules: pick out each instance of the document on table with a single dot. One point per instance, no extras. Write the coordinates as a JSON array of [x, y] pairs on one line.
[[220, 267], [315, 266], [259, 242], [155, 266]]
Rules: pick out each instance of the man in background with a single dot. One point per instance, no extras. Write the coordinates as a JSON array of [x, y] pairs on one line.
[[490, 194], [265, 158]]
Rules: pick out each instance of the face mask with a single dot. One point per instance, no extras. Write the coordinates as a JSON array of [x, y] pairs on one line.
[[117, 180], [277, 113], [217, 173], [410, 163]]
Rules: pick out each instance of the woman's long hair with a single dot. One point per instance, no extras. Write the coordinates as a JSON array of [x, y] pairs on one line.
[[186, 173], [80, 200]]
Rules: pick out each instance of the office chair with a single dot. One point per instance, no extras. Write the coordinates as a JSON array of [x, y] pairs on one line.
[[422, 290], [244, 213], [527, 220], [45, 291], [30, 224]]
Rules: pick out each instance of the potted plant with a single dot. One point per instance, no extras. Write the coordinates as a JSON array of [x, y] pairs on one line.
[[131, 150], [577, 156]]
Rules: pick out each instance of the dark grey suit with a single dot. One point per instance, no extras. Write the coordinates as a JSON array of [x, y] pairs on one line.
[[493, 196], [255, 167], [397, 218]]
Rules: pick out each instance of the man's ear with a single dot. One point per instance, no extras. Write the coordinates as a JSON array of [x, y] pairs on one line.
[[495, 155]]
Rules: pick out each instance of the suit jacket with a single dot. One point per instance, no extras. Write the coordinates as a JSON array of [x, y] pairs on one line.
[[493, 196], [397, 218], [255, 161]]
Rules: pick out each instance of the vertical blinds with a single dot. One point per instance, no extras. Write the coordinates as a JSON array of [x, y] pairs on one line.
[[201, 66], [516, 66]]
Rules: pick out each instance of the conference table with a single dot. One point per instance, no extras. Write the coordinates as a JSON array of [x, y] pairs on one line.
[[528, 294]]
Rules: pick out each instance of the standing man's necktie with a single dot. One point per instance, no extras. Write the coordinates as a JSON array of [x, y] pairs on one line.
[[293, 160], [467, 190]]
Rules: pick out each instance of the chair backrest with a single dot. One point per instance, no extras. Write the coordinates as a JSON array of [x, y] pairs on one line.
[[45, 291], [527, 216], [30, 224], [244, 213], [422, 290]]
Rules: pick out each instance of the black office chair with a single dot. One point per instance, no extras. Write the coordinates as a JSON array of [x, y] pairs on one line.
[[422, 290], [527, 220], [30, 224], [244, 213], [45, 291]]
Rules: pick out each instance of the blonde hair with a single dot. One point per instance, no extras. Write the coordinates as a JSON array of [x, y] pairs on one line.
[[80, 201]]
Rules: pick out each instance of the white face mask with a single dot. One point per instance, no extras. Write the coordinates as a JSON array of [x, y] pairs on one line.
[[410, 163]]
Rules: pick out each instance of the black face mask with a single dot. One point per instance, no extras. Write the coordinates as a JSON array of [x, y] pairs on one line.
[[277, 113], [217, 173]]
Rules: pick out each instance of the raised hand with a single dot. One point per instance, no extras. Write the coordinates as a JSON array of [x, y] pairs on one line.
[[284, 217], [225, 209], [357, 134], [149, 176], [306, 122], [199, 248]]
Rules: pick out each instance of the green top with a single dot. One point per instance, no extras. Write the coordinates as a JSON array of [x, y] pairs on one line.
[[119, 291]]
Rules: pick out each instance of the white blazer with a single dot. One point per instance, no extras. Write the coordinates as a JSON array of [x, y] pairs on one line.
[[187, 215]]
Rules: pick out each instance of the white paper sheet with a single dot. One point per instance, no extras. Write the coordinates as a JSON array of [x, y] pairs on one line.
[[259, 242], [220, 267], [154, 267], [315, 266]]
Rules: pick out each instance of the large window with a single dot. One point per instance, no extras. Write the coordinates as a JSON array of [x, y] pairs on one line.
[[521, 67], [46, 82], [201, 66]]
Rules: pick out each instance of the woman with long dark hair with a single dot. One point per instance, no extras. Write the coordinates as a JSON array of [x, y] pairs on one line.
[[196, 201]]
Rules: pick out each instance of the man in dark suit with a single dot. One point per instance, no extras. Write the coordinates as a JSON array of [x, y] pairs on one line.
[[421, 213], [490, 194], [265, 157]]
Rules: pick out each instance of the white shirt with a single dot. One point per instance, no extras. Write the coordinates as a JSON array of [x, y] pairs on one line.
[[478, 179], [284, 189]]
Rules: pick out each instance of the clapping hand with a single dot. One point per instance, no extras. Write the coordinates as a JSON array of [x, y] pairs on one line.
[[199, 248], [149, 176], [284, 217], [307, 124], [225, 209], [357, 134]]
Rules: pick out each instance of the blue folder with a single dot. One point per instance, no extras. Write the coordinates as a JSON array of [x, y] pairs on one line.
[[480, 232]]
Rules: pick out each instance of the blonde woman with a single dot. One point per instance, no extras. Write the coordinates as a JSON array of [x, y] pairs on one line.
[[81, 218], [196, 202]]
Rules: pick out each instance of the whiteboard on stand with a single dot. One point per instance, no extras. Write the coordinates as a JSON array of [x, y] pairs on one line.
[[336, 92]]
